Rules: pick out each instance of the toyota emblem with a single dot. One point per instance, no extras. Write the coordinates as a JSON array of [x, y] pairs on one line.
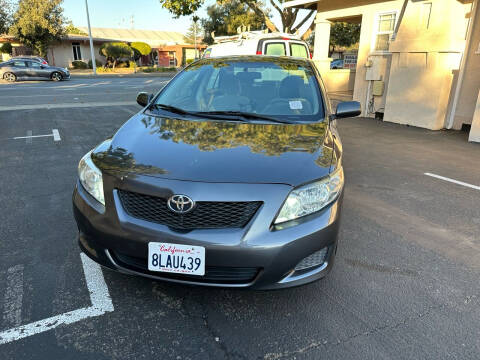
[[180, 204]]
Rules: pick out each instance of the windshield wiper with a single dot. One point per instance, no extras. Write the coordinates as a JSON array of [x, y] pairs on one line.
[[245, 115], [170, 108]]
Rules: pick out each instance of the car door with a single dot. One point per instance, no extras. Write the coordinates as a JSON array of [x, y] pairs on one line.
[[37, 70], [19, 68]]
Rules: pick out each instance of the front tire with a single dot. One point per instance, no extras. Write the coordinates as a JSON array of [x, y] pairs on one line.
[[56, 76], [10, 77]]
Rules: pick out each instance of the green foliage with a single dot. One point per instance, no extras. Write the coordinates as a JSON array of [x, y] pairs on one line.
[[6, 49], [5, 16], [140, 48], [181, 7], [224, 18], [114, 51], [190, 35], [71, 29], [344, 34], [38, 23], [98, 63], [78, 64]]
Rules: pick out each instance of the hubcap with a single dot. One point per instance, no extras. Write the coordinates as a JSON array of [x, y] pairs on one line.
[[9, 77], [56, 76]]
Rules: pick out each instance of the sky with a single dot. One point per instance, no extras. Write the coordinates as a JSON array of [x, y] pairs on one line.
[[147, 14]]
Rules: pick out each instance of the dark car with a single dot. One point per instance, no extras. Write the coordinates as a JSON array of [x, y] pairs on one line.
[[337, 64], [14, 70], [230, 176]]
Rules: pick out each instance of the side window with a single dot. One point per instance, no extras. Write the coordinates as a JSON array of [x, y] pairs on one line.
[[298, 50], [19, 64], [275, 48], [34, 65]]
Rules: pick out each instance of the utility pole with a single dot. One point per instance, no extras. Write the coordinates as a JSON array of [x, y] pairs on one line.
[[195, 19], [94, 65]]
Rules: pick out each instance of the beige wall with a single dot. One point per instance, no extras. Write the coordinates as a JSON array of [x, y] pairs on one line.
[[467, 98], [475, 130], [368, 15], [62, 54], [340, 80], [425, 53]]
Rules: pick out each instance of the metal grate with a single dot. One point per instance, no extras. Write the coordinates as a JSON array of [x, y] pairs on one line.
[[213, 274], [205, 215], [315, 259]]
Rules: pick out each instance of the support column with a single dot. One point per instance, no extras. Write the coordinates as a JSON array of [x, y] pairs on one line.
[[475, 129], [321, 45]]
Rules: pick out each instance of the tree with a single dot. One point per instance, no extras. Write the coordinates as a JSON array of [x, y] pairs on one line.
[[140, 49], [288, 16], [6, 49], [72, 29], [114, 51], [5, 16], [344, 34], [225, 18], [38, 23]]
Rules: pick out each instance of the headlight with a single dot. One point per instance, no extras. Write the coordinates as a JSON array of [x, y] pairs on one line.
[[311, 198], [91, 178]]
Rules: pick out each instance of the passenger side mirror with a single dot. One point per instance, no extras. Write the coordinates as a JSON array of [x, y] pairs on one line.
[[348, 109], [143, 98]]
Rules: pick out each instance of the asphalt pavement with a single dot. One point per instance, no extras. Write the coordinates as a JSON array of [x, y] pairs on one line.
[[404, 286]]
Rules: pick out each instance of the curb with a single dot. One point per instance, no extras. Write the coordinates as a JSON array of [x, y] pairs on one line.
[[137, 75]]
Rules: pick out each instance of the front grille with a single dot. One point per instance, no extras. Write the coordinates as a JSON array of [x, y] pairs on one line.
[[213, 274], [205, 215]]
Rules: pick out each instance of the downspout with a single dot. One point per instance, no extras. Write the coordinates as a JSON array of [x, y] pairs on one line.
[[461, 74], [400, 18]]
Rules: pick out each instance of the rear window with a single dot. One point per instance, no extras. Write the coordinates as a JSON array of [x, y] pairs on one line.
[[298, 50], [281, 87], [276, 49]]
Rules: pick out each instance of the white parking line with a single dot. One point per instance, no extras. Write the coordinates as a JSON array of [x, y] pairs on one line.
[[99, 296], [453, 181], [65, 105], [55, 134], [13, 297]]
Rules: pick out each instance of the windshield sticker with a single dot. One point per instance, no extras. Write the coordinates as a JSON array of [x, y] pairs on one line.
[[296, 105]]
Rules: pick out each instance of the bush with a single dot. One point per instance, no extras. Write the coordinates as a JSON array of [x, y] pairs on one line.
[[77, 64], [122, 64], [6, 48], [159, 69], [189, 61], [98, 63]]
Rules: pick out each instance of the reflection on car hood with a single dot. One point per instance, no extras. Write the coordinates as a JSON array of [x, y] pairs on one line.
[[218, 151]]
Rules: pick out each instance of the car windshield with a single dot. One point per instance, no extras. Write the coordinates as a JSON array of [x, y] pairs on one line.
[[283, 88]]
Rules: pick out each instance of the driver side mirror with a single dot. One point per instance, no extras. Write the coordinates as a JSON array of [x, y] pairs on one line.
[[144, 98], [348, 109]]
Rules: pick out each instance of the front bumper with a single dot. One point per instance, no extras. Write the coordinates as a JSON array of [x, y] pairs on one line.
[[267, 255]]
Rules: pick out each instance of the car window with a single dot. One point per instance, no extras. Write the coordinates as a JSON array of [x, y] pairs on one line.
[[277, 49], [19, 64], [34, 64], [298, 50], [280, 87]]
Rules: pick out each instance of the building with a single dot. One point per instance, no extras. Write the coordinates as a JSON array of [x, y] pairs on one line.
[[418, 60], [169, 48]]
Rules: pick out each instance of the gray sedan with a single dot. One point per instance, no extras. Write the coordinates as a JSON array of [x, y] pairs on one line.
[[14, 70]]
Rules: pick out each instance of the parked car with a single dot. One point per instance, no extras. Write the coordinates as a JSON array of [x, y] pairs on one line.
[[230, 176], [31, 58], [337, 64], [14, 70], [259, 43]]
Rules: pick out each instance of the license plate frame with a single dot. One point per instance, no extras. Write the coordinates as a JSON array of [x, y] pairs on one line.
[[176, 258]]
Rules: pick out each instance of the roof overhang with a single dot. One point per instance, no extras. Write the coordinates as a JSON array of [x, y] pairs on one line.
[[329, 5]]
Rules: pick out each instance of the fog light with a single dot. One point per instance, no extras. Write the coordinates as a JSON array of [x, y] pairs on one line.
[[313, 260]]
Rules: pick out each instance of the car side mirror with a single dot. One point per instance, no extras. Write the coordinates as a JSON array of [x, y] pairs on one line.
[[143, 98], [348, 109]]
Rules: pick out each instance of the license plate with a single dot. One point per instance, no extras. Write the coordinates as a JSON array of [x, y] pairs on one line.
[[175, 258]]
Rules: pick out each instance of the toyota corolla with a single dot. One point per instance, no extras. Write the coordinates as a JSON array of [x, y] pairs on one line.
[[230, 176]]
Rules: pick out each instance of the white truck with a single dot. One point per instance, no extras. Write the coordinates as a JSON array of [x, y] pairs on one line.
[[259, 43]]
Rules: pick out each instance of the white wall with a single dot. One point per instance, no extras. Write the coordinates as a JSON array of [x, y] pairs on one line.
[[62, 54]]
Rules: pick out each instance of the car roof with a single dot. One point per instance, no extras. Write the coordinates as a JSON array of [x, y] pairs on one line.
[[257, 58]]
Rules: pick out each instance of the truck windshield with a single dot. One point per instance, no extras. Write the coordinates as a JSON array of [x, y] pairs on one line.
[[277, 87]]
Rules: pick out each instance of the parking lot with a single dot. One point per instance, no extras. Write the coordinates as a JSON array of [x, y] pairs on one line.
[[405, 283]]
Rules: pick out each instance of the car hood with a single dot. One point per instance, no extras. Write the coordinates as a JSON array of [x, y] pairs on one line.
[[217, 151]]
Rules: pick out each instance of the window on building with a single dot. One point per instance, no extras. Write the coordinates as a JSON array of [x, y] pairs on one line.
[[77, 53], [172, 58], [385, 29]]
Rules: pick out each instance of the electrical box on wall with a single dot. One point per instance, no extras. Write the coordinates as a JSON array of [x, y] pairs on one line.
[[374, 68], [378, 87]]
